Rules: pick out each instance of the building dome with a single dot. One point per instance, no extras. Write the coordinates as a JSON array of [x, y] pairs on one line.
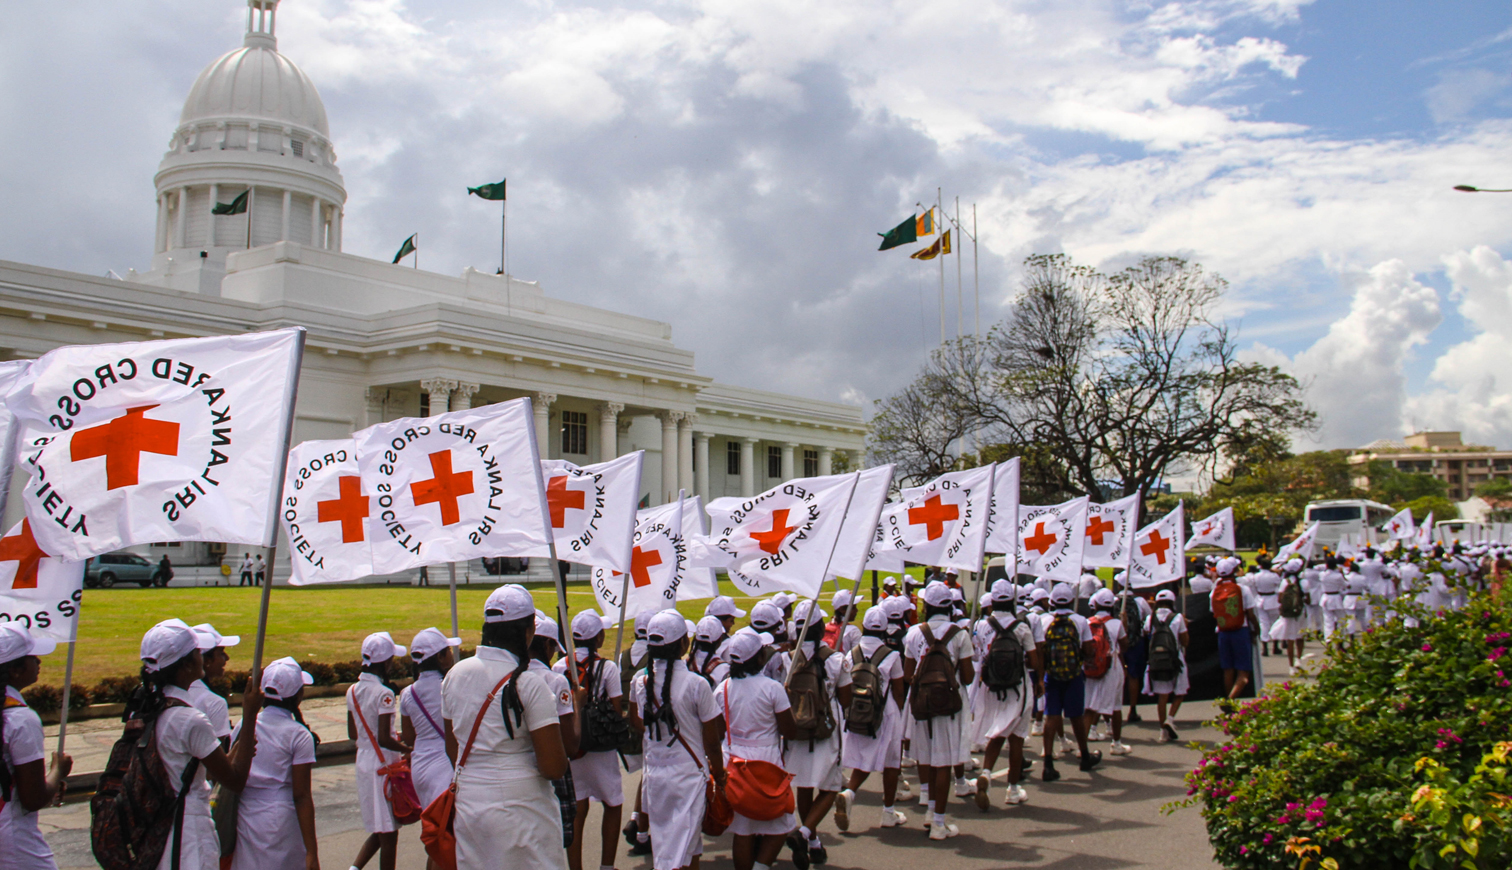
[[255, 81]]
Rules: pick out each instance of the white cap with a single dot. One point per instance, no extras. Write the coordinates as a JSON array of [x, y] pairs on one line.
[[765, 614], [890, 581], [1121, 579], [666, 627], [1003, 590], [808, 612], [283, 678], [1038, 593], [508, 603], [709, 629], [209, 638], [380, 647], [1228, 566], [1201, 585], [1293, 565], [166, 643], [546, 627], [1103, 598], [723, 605], [937, 595], [1062, 594], [16, 642], [642, 620], [875, 619], [784, 600], [587, 625], [1166, 595], [843, 598], [746, 645], [429, 641]]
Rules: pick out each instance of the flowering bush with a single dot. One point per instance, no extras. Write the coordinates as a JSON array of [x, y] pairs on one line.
[[1395, 757]]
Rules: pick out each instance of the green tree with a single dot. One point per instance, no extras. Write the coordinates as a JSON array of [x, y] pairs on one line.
[[1391, 485], [1441, 508], [1498, 487]]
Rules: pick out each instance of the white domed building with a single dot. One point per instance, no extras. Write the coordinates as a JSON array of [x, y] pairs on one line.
[[254, 143]]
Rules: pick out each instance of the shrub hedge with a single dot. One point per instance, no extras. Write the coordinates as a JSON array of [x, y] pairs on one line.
[[1397, 756]]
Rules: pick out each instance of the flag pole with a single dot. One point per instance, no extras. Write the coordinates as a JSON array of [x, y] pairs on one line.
[[250, 197], [960, 301], [278, 480], [564, 634], [808, 615], [451, 582], [976, 280], [416, 243], [939, 213], [73, 642], [619, 634]]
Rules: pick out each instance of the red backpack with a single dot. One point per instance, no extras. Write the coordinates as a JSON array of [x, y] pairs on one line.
[[1102, 649], [832, 634], [1228, 605]]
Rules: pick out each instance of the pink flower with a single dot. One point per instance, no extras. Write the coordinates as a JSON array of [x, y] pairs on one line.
[[1233, 798], [1427, 647], [1496, 654], [1267, 839], [1244, 850]]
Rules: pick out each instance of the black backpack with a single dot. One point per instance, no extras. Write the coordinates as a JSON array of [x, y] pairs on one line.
[[627, 674], [869, 692], [809, 697], [1165, 650], [1292, 601], [1003, 666], [1132, 619], [936, 692], [136, 808], [604, 729]]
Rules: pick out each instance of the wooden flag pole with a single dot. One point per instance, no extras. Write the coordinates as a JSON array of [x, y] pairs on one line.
[[451, 582], [278, 479], [619, 634], [73, 642]]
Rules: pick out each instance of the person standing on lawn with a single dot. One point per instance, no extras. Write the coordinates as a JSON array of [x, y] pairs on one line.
[[433, 654], [370, 721], [1235, 608], [275, 821], [246, 570], [25, 786]]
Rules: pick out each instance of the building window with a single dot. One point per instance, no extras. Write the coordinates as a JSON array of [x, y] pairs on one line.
[[575, 432], [810, 463], [297, 147], [424, 404], [732, 458], [774, 461]]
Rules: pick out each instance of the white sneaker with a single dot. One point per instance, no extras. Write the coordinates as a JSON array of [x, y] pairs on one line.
[[1016, 795], [1121, 749], [893, 818], [905, 788], [842, 809], [1067, 746], [943, 832], [1095, 733], [1164, 736], [1037, 729], [971, 763], [964, 788], [908, 762], [983, 784]]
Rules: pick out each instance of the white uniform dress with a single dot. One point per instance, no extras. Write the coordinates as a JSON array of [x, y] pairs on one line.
[[213, 706], [1012, 714], [750, 706], [184, 733], [373, 699], [674, 779], [937, 742], [1334, 616], [819, 766], [1313, 586], [1182, 682], [1288, 627], [596, 775], [885, 749], [1266, 584], [420, 702], [507, 814], [1105, 694], [24, 847], [267, 828], [1354, 616]]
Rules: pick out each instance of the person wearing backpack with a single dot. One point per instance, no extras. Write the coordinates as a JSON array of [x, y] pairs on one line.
[[873, 720], [1133, 612], [371, 703], [637, 830], [275, 817], [433, 654], [1267, 584], [840, 635], [758, 717], [1234, 606], [1106, 677], [503, 718], [1066, 644], [1009, 658], [819, 691], [936, 664], [26, 785], [596, 772], [1166, 673]]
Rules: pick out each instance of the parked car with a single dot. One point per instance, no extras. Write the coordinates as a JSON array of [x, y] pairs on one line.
[[110, 568]]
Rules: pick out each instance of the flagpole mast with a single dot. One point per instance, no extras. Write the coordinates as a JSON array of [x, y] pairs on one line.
[[451, 582], [941, 213], [454, 597], [808, 615], [976, 281], [278, 480], [960, 304], [73, 643], [619, 634]]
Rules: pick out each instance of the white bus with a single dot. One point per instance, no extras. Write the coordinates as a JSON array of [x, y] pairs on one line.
[[1449, 531], [1356, 517]]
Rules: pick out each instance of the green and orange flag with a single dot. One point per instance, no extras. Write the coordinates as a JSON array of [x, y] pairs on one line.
[[908, 231], [493, 191]]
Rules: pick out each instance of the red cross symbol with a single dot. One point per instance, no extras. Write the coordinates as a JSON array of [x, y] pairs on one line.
[[1041, 541], [1207, 529], [444, 489], [933, 516], [1156, 546], [23, 550], [349, 509], [771, 540], [640, 563], [122, 442], [1097, 527], [559, 498]]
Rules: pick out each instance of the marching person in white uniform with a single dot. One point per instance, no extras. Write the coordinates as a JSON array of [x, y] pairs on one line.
[[370, 722], [27, 787], [863, 751], [1105, 694], [757, 718], [275, 821], [1168, 693], [936, 742], [1007, 713], [595, 775], [815, 764], [709, 639], [433, 654], [507, 814], [842, 635]]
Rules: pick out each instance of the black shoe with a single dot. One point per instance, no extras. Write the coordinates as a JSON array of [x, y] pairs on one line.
[[630, 831], [1050, 774], [639, 848], [1091, 760], [1171, 733], [800, 849], [818, 856], [1134, 717], [1028, 766]]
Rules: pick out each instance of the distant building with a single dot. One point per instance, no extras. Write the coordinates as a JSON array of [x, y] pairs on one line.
[[1443, 455]]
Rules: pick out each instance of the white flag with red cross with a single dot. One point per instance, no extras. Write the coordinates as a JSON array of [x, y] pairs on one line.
[[1051, 539], [592, 509], [1002, 515], [1300, 546], [454, 487], [1401, 526], [177, 440], [325, 512], [10, 372], [1217, 530], [658, 559], [854, 546], [1110, 532], [1424, 533], [38, 592], [944, 522], [1160, 551], [887, 552], [784, 538]]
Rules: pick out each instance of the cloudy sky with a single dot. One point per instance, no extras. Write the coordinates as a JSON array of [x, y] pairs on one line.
[[725, 165]]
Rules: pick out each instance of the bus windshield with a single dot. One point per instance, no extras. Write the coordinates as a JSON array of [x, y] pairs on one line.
[[1343, 513]]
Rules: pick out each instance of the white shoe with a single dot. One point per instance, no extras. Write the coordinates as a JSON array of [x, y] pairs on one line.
[[1037, 729], [943, 832], [983, 784], [908, 762], [1067, 746], [1016, 795], [842, 809], [964, 788], [971, 763], [905, 788], [893, 818], [1120, 749], [1163, 737], [1095, 733]]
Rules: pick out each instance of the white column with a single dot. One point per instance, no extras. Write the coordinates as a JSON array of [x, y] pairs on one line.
[[160, 236], [669, 453], [701, 466], [826, 461], [787, 460], [609, 430], [283, 231], [376, 397], [440, 394], [462, 396], [315, 221], [336, 227], [251, 237], [685, 453], [747, 467], [183, 209], [541, 404], [210, 218]]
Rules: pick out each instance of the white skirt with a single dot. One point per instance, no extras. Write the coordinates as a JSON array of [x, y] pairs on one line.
[[1288, 627], [881, 752], [432, 772], [744, 827], [937, 742], [267, 831], [377, 813], [1105, 694], [674, 804], [200, 847], [514, 824], [1178, 686], [596, 776], [817, 768], [25, 847], [1006, 718]]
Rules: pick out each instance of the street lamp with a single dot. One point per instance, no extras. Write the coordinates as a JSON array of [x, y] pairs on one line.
[[1470, 188]]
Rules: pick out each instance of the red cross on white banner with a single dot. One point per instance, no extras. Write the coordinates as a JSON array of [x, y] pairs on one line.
[[933, 516], [350, 508], [122, 442], [444, 489]]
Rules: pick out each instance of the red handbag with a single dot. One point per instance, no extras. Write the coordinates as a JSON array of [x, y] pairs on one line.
[[718, 814], [398, 784], [437, 821], [758, 790]]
